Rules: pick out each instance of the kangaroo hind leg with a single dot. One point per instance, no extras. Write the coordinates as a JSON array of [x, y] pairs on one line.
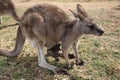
[[42, 61]]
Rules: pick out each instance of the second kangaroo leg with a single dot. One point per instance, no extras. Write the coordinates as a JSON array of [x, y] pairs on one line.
[[78, 62], [0, 19]]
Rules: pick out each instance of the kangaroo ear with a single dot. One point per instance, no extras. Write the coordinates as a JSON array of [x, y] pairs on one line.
[[77, 15], [81, 10]]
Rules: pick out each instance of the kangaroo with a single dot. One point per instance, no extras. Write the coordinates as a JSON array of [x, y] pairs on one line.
[[46, 25], [8, 7]]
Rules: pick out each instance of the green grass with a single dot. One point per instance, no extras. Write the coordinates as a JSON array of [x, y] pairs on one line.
[[101, 54]]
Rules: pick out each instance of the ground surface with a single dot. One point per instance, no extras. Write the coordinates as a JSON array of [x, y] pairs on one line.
[[101, 54]]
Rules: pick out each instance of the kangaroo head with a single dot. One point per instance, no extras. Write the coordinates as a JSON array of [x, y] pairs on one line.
[[85, 23]]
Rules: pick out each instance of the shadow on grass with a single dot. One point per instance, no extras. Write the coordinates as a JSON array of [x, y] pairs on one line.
[[6, 26], [23, 68]]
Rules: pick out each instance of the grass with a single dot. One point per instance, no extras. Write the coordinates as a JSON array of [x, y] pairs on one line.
[[101, 54]]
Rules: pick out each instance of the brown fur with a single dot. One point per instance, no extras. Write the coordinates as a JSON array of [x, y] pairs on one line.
[[47, 25]]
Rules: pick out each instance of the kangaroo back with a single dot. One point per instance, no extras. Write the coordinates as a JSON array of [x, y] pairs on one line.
[[45, 21]]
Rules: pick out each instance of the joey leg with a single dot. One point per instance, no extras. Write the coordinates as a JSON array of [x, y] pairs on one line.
[[54, 52]]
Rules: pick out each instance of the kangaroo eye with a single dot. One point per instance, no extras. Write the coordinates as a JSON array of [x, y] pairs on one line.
[[92, 27]]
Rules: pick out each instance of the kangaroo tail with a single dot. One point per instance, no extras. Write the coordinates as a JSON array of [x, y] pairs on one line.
[[18, 46]]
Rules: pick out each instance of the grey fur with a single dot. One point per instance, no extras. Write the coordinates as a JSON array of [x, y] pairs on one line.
[[46, 25]]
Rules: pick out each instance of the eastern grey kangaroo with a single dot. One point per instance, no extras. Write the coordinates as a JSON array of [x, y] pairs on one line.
[[46, 25]]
